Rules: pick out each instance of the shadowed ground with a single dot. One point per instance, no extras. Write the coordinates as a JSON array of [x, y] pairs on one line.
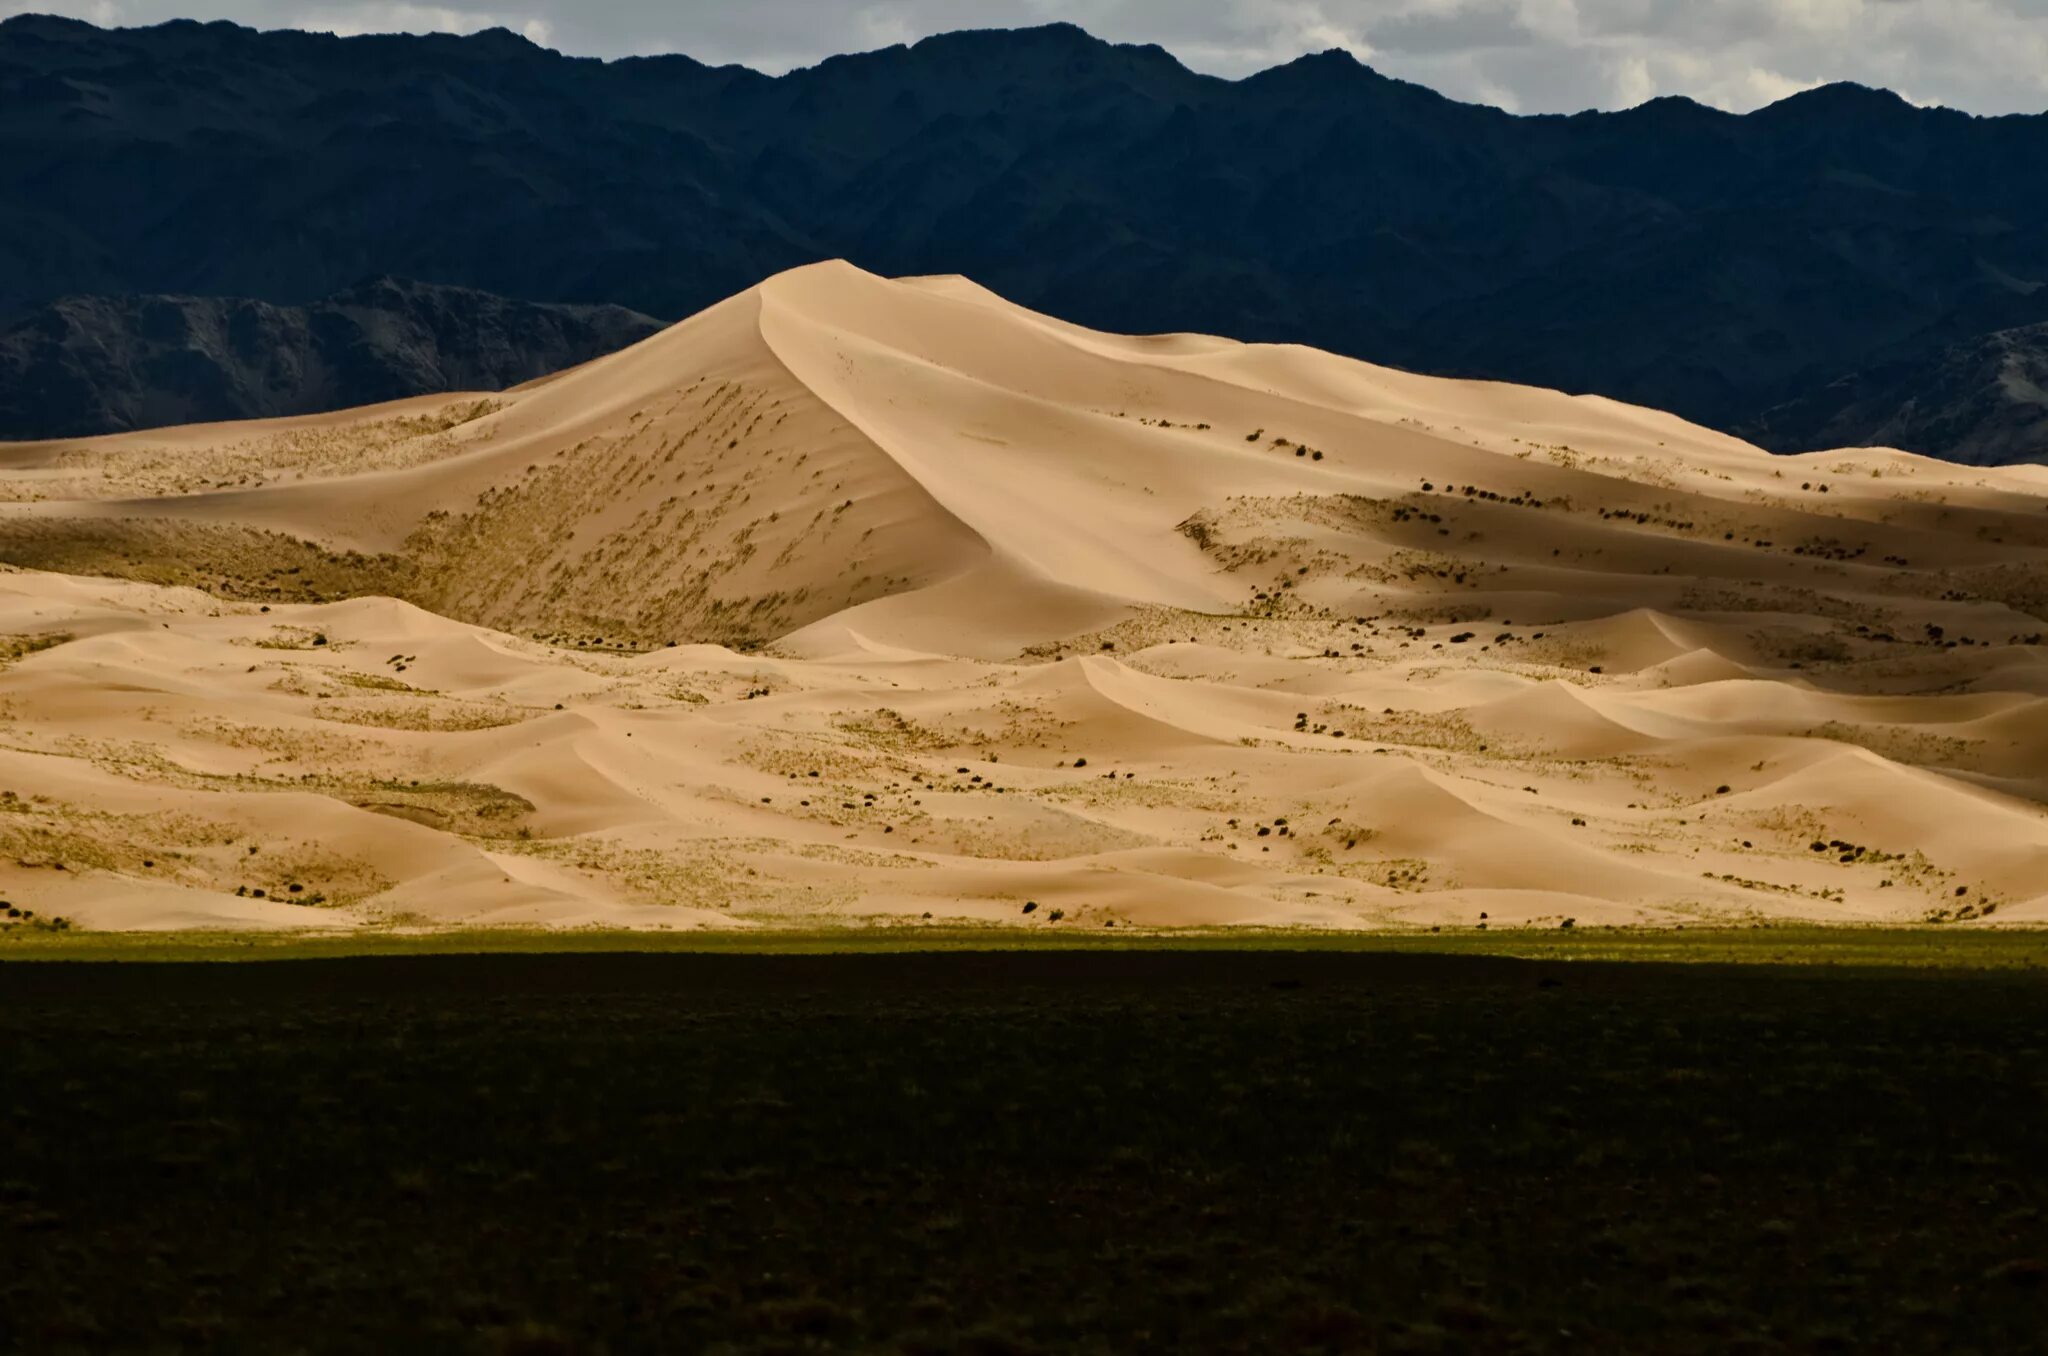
[[997, 1152]]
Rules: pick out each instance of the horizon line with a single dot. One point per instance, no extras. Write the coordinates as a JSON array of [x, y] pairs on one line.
[[499, 33]]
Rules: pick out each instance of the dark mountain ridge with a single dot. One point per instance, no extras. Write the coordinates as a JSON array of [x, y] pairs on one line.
[[1983, 401], [1713, 264], [85, 365]]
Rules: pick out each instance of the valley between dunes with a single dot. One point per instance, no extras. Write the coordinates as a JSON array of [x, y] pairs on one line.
[[854, 600]]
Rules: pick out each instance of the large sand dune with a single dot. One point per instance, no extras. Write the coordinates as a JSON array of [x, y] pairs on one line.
[[854, 599]]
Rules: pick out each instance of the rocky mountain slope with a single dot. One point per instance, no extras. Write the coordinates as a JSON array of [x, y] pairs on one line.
[[1983, 401], [85, 365], [1673, 255]]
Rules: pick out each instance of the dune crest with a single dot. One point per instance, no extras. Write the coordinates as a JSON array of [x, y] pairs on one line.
[[859, 600]]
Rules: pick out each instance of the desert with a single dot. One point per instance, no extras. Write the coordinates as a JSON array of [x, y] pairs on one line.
[[856, 600], [1346, 677]]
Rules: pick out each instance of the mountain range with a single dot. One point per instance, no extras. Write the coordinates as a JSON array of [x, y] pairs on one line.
[[1982, 400], [1719, 266], [86, 365]]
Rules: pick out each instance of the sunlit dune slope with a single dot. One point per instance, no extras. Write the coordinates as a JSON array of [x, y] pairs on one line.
[[854, 599]]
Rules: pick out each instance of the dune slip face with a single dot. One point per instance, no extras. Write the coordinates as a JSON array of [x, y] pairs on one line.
[[855, 600]]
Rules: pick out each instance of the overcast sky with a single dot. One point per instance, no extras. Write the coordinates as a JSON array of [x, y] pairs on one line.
[[1987, 56]]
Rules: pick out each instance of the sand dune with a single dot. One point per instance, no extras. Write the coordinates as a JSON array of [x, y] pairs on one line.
[[859, 600]]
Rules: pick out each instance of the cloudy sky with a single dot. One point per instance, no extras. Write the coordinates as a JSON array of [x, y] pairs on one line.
[[1987, 56]]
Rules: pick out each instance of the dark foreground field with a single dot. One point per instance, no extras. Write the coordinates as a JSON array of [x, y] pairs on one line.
[[1021, 1152]]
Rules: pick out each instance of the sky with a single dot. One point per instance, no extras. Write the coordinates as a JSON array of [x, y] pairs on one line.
[[1529, 56]]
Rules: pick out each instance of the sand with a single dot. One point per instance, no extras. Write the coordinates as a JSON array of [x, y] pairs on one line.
[[855, 600]]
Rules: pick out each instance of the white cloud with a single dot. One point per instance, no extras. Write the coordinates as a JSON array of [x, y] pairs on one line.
[[1633, 83], [885, 25], [105, 13], [350, 18]]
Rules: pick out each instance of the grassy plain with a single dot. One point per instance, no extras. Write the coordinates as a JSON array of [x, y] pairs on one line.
[[1245, 1146], [1883, 947]]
